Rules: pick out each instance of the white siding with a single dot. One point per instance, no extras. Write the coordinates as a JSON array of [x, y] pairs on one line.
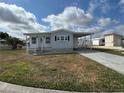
[[62, 44], [96, 42], [39, 43], [58, 45], [75, 42]]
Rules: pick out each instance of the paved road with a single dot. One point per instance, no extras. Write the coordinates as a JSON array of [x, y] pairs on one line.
[[114, 62]]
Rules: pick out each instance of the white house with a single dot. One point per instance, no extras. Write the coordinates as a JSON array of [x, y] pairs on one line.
[[98, 41], [85, 41], [58, 40]]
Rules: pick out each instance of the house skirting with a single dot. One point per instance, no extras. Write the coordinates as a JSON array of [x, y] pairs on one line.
[[48, 50]]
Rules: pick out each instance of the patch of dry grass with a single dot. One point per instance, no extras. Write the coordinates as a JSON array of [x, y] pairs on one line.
[[61, 71]]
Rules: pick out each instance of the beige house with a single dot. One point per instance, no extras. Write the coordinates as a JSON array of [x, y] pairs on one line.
[[113, 40]]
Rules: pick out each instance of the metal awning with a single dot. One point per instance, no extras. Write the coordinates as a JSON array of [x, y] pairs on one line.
[[81, 34]]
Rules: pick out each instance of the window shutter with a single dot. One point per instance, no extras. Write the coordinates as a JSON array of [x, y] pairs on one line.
[[55, 38], [68, 38]]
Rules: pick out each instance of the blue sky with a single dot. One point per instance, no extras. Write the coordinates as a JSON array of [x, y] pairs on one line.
[[47, 15], [43, 8]]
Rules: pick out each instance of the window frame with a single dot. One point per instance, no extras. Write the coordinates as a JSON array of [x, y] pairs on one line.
[[33, 40], [62, 37], [66, 38], [48, 40]]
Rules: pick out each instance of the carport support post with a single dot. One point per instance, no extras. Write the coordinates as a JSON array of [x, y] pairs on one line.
[[91, 41], [85, 41], [26, 45]]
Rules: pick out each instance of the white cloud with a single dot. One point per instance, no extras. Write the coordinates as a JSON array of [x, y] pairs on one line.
[[93, 4], [117, 29], [120, 29], [16, 20], [121, 4], [106, 22], [92, 29], [105, 7], [70, 18], [101, 5]]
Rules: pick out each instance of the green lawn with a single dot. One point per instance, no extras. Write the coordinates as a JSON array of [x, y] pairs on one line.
[[70, 72]]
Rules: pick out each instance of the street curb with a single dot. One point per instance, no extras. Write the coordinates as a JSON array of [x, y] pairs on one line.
[[11, 88]]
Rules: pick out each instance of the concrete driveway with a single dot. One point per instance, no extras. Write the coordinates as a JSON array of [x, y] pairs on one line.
[[112, 61]]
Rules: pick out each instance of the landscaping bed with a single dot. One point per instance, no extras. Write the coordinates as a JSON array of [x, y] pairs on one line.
[[70, 72]]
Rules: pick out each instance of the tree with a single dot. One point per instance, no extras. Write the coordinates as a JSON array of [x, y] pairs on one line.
[[4, 35], [14, 42]]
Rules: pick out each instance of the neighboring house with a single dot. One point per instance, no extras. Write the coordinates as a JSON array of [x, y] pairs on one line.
[[58, 40], [113, 40], [3, 43], [85, 41], [98, 41], [122, 42]]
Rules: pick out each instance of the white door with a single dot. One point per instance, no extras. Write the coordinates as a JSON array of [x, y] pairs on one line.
[[41, 43]]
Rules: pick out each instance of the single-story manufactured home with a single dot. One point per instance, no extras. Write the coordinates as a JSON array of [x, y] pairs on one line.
[[58, 40], [3, 43], [98, 41], [113, 40], [108, 40]]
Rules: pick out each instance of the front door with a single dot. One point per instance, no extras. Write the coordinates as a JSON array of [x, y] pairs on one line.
[[41, 43]]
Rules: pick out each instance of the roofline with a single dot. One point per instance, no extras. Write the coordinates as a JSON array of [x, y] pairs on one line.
[[112, 34], [69, 31]]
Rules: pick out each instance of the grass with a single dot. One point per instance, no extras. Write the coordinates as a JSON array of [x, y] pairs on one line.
[[70, 72], [112, 51]]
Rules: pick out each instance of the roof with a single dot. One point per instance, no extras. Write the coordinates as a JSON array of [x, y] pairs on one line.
[[112, 33], [98, 38], [76, 34], [2, 40]]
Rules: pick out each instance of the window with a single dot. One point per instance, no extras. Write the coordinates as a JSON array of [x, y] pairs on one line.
[[103, 40], [47, 40], [57, 37], [62, 37], [66, 38], [33, 40]]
